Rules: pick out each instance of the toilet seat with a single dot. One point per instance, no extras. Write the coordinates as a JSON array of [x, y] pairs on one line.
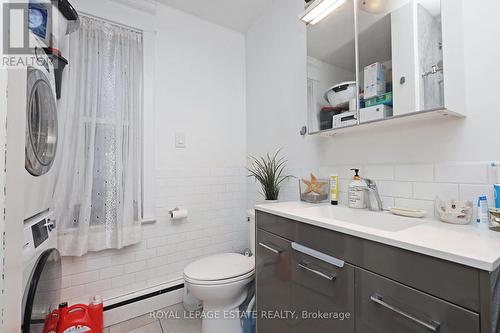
[[218, 282], [220, 269]]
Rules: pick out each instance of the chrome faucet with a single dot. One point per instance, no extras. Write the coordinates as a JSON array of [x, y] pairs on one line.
[[372, 193]]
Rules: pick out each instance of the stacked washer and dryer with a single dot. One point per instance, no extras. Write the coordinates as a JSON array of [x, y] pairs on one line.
[[42, 265], [41, 259]]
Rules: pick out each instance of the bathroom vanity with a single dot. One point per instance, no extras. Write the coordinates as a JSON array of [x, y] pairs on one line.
[[369, 272]]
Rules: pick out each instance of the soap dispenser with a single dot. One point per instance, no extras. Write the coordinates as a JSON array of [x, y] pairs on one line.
[[357, 189]]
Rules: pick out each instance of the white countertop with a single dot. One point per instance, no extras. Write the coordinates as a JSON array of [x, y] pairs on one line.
[[468, 245]]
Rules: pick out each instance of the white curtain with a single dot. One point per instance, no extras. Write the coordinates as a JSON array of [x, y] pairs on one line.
[[98, 191]]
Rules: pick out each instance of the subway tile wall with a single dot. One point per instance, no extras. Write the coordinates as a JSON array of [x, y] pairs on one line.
[[418, 185], [216, 201], [404, 185]]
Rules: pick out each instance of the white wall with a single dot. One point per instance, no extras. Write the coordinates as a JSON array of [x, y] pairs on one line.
[[277, 88], [200, 91], [276, 100], [3, 106], [3, 119], [197, 82], [13, 213]]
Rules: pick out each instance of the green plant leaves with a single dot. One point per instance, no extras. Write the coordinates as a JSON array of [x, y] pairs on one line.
[[269, 172]]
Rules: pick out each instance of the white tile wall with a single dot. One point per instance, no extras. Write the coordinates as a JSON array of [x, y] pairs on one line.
[[462, 173], [418, 173], [412, 185], [216, 201], [217, 198], [381, 172], [429, 191], [417, 185]]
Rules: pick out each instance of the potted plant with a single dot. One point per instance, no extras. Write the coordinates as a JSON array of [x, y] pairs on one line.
[[268, 171]]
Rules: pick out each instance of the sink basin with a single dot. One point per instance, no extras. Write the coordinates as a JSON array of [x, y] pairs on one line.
[[376, 220]]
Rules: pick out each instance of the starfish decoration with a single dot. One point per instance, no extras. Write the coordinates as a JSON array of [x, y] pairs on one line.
[[314, 186]]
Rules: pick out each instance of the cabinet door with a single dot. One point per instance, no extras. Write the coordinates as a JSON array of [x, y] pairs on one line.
[[331, 68], [400, 53], [385, 306], [273, 278], [322, 295]]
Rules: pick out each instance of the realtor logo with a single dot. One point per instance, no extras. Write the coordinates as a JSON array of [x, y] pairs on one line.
[[23, 24]]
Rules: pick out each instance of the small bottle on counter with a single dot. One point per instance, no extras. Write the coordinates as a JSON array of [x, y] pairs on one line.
[[357, 187], [334, 189], [482, 210]]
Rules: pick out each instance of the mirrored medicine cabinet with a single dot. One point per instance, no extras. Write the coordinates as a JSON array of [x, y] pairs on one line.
[[371, 61]]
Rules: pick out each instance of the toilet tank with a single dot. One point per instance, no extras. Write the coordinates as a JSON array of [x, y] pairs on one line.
[[251, 229]]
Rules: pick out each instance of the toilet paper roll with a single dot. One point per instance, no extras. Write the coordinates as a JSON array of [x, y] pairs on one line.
[[178, 214]]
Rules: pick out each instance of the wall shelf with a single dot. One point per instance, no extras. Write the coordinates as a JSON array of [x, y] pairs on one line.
[[409, 118]]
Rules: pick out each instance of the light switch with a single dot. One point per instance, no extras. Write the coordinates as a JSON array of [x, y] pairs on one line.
[[180, 140]]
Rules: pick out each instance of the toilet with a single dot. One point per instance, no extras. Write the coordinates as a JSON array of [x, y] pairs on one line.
[[221, 282]]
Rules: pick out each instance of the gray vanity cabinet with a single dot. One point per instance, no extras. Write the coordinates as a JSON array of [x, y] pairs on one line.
[[385, 306], [321, 288], [273, 282], [384, 289]]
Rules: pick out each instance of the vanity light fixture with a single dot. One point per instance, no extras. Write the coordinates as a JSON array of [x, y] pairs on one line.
[[320, 9]]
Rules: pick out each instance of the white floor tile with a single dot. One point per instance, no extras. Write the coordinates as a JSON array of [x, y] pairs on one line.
[[132, 324]]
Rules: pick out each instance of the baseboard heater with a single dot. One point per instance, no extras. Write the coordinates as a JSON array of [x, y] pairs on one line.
[[143, 297]]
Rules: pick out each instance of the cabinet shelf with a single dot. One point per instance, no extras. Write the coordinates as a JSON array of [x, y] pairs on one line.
[[399, 120]]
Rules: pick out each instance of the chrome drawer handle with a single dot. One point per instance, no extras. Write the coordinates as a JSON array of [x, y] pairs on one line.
[[273, 250], [329, 277], [318, 255], [430, 324]]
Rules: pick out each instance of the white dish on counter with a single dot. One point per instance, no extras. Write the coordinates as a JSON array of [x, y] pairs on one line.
[[408, 212]]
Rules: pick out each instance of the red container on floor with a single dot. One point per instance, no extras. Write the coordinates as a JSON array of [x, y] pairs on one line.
[[51, 322], [80, 318]]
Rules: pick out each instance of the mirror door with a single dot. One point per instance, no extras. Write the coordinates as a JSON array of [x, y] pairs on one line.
[[400, 57], [331, 69], [371, 60]]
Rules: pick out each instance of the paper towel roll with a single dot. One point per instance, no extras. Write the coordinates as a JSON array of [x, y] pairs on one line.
[[178, 214]]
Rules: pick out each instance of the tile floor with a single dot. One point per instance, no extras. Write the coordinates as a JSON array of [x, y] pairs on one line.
[[148, 324]]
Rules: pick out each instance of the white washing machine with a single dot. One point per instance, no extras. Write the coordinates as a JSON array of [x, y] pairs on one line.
[[41, 134], [42, 272]]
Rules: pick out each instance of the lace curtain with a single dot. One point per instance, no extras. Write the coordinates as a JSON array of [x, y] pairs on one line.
[[98, 191]]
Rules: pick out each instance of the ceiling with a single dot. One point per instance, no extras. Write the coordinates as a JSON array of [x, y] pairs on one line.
[[234, 14]]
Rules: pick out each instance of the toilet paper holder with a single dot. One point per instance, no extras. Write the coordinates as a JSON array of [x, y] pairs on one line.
[[178, 214], [171, 212]]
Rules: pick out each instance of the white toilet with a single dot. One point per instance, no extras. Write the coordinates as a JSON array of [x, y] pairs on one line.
[[221, 282]]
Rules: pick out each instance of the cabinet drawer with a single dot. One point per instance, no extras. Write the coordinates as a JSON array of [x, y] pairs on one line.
[[450, 281], [277, 225], [319, 287], [385, 306], [273, 281]]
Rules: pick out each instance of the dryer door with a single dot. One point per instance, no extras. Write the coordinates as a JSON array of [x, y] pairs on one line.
[[43, 292], [41, 124]]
